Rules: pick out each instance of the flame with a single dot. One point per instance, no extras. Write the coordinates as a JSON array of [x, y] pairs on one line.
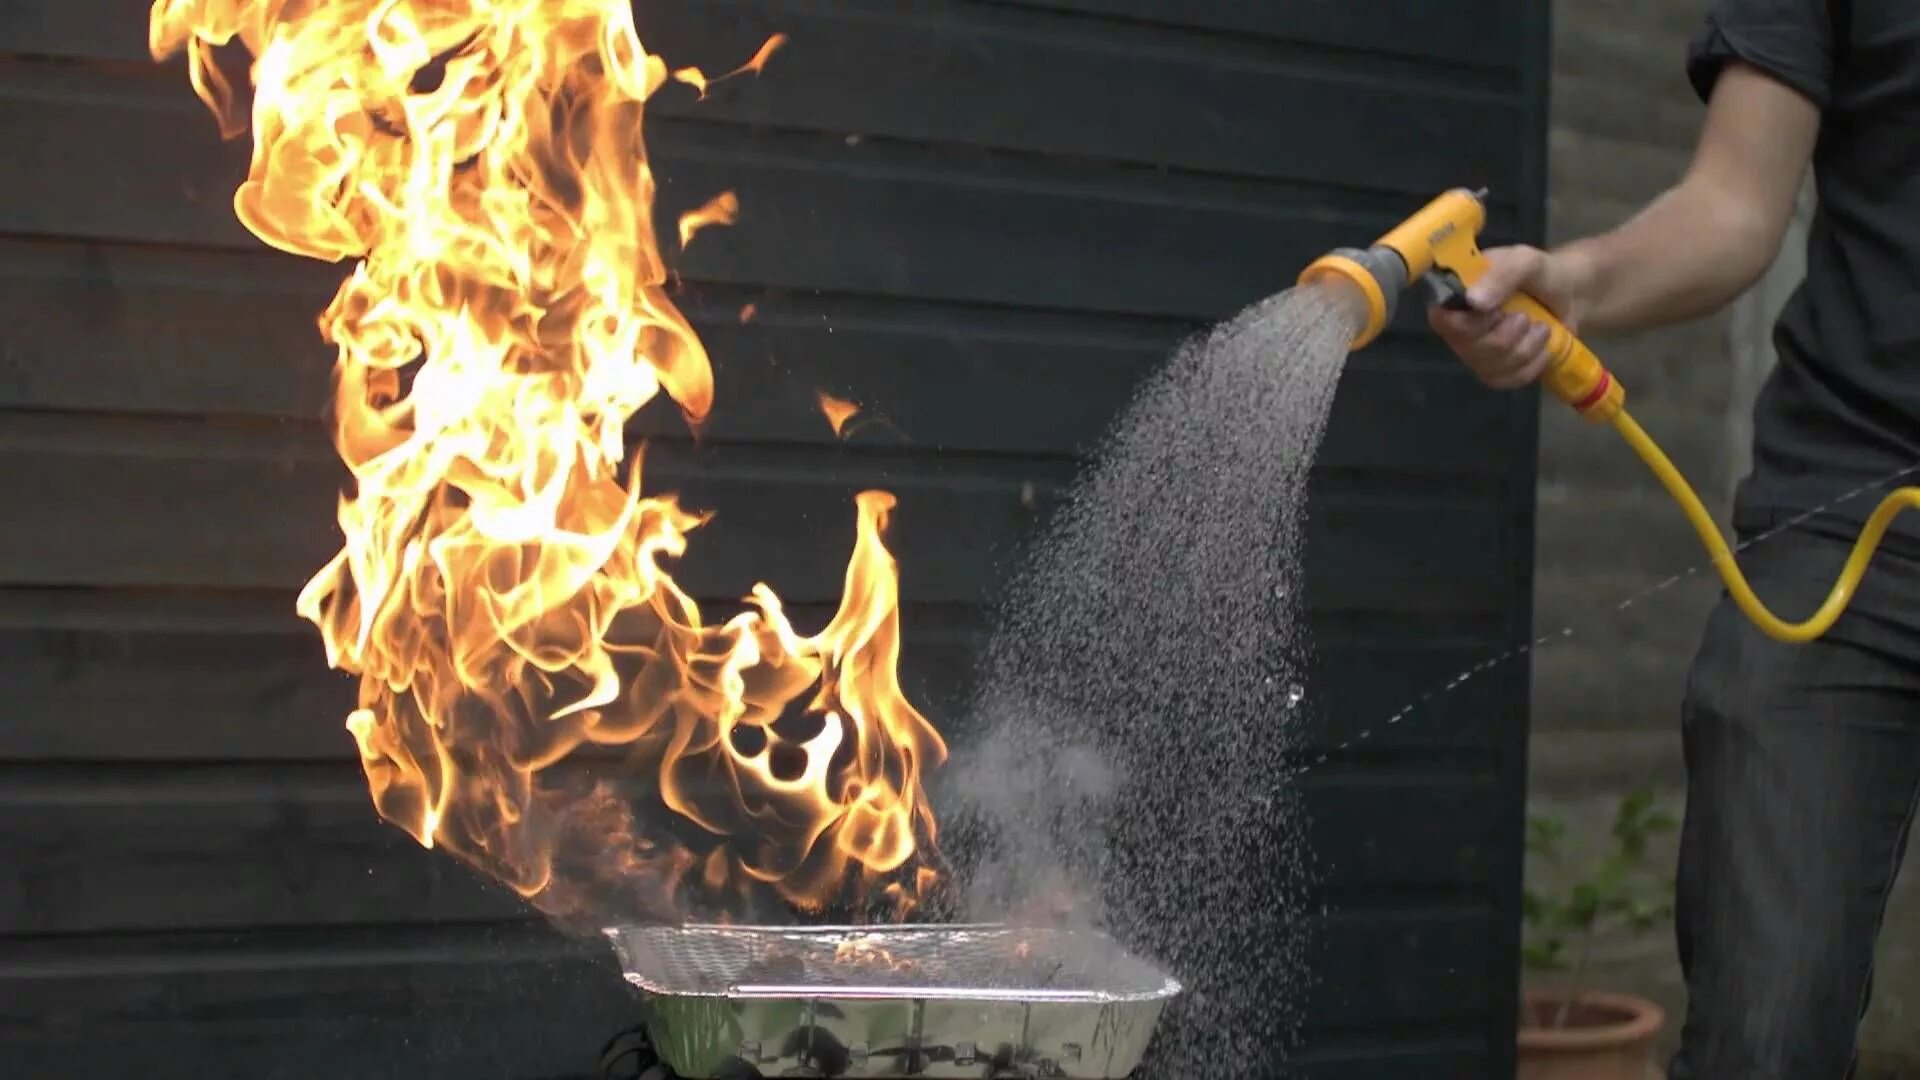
[[837, 411], [503, 589], [722, 209], [693, 77]]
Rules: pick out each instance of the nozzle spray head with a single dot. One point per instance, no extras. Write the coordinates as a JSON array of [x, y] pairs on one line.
[[1376, 273], [1444, 232]]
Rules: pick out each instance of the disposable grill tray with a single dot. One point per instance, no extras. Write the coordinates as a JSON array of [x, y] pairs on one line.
[[932, 1001]]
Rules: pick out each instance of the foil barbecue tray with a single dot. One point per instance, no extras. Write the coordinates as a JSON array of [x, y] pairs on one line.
[[736, 1003]]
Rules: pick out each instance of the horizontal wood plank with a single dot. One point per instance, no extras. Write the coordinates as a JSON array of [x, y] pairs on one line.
[[1000, 79], [1056, 235], [1460, 1057], [1484, 32], [143, 519], [205, 506], [490, 1038], [377, 1002], [110, 328], [949, 72], [241, 682], [1362, 961], [494, 1000], [216, 847], [1477, 32], [238, 677]]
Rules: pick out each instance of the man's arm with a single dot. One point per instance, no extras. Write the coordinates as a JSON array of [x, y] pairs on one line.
[[1697, 247], [1689, 252]]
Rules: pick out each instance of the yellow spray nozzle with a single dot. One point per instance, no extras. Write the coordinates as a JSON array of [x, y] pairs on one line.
[[1349, 267], [1440, 246]]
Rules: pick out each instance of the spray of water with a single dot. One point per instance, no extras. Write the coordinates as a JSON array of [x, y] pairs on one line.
[[1141, 692]]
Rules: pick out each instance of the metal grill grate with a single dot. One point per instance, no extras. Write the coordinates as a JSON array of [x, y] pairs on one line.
[[946, 962]]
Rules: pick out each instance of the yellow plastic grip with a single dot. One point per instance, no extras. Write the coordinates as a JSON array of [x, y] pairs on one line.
[[1444, 237], [1574, 374]]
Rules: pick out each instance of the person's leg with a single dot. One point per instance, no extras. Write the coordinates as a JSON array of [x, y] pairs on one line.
[[1803, 768]]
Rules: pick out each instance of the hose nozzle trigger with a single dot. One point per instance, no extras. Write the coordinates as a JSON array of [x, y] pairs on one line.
[[1446, 289]]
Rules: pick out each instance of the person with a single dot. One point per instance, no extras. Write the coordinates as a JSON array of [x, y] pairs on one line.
[[1803, 761]]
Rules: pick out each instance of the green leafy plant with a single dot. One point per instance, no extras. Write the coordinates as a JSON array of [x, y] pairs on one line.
[[1621, 893]]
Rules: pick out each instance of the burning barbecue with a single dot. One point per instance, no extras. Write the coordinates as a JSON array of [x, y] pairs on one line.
[[503, 590], [891, 1001]]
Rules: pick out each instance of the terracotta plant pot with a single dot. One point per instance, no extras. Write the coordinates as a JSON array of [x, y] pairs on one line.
[[1606, 1037]]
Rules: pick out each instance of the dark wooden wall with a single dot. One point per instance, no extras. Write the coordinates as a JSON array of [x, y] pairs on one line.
[[984, 220]]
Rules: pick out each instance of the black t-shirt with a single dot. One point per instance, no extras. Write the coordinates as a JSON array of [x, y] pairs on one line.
[[1842, 406]]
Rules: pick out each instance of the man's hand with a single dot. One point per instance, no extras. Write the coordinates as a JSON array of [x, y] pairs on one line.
[[1507, 351]]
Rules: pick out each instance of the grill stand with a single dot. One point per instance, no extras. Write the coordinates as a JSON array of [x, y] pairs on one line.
[[630, 1056]]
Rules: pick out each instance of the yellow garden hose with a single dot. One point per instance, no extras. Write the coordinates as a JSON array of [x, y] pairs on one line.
[[1822, 620], [1439, 246]]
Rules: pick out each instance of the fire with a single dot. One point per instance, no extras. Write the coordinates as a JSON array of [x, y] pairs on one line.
[[503, 589], [837, 411], [722, 209], [693, 77]]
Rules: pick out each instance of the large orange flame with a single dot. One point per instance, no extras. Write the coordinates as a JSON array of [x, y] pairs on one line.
[[502, 590]]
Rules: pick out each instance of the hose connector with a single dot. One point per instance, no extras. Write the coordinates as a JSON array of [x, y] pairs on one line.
[[1577, 377]]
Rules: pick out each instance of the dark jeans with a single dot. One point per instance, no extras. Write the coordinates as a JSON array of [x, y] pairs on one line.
[[1803, 767]]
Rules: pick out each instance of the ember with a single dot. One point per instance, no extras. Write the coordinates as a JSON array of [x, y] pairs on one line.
[[838, 411], [503, 589], [865, 951]]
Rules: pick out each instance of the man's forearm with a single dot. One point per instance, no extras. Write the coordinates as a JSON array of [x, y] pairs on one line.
[[1687, 254], [1699, 246]]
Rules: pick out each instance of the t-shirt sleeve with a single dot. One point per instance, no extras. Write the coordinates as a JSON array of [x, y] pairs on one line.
[[1790, 40]]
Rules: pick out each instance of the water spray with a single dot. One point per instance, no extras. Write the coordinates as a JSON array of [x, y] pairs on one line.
[[1440, 247]]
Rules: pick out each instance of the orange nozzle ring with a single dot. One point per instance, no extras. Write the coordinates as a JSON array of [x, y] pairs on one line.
[[1343, 267]]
